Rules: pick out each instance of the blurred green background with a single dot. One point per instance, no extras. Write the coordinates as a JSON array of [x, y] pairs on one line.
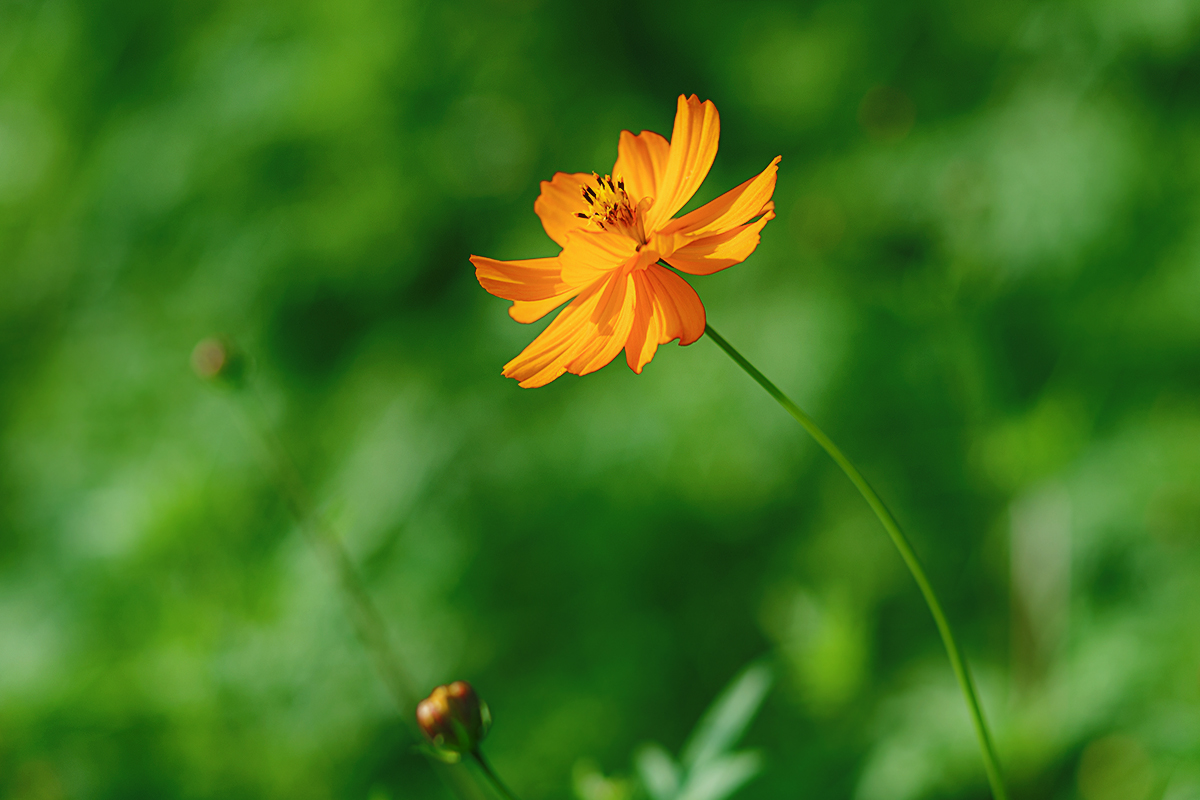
[[984, 281]]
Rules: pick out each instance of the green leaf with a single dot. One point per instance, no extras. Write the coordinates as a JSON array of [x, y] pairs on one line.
[[719, 778], [727, 718], [658, 772]]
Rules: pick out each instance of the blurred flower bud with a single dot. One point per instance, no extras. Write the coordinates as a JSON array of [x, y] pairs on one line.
[[453, 718], [215, 359]]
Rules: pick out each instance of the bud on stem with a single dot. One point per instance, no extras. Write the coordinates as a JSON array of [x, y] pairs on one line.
[[453, 718]]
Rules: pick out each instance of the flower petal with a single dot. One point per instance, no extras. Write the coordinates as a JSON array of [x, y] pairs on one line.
[[634, 309], [546, 357], [525, 279], [533, 310], [693, 148], [680, 312], [561, 199], [589, 254], [641, 162], [583, 338], [535, 286], [647, 323], [710, 254], [613, 318], [736, 207]]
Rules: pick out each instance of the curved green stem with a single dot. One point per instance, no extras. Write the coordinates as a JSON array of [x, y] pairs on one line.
[[990, 762], [498, 784]]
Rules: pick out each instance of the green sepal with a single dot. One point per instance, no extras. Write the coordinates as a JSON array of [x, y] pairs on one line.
[[438, 753]]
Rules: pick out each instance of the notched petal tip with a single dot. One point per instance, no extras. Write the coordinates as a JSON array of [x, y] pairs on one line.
[[522, 279], [538, 382], [735, 207], [641, 162], [694, 139], [706, 255]]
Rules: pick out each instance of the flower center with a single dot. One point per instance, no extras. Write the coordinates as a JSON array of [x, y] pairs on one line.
[[610, 207]]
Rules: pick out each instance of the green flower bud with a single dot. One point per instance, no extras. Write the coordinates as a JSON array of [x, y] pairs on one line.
[[453, 718]]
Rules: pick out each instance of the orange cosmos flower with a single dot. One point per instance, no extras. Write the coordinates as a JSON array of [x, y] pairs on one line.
[[613, 231]]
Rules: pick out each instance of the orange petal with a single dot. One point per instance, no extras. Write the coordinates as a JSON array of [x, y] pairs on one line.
[[526, 279], [647, 324], [613, 318], [711, 254], [641, 162], [584, 337], [693, 148], [546, 357], [533, 310], [535, 285], [561, 199], [589, 254], [736, 207], [681, 314]]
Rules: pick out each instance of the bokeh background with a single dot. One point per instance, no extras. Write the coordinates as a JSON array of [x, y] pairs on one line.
[[984, 281]]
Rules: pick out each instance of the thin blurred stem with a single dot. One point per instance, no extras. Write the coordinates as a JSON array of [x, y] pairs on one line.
[[957, 663], [498, 784], [368, 622]]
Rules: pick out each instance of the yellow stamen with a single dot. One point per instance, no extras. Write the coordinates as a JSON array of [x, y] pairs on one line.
[[610, 207]]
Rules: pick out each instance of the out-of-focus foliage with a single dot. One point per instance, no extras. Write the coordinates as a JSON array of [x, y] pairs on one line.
[[706, 769], [984, 281]]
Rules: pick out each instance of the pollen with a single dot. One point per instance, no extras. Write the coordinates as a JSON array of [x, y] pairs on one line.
[[609, 207]]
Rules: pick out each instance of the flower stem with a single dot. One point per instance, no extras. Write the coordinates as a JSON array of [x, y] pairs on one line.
[[957, 663], [368, 621], [498, 784]]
